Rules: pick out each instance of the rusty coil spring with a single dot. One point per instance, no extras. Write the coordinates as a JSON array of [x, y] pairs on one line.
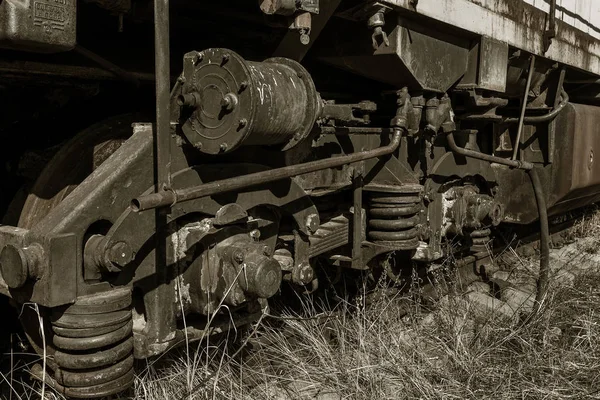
[[94, 345], [393, 218], [480, 239]]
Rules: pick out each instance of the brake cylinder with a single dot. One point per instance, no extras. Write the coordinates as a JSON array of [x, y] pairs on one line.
[[227, 101]]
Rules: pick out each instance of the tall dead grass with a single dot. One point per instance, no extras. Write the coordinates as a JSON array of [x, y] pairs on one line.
[[379, 352], [370, 347]]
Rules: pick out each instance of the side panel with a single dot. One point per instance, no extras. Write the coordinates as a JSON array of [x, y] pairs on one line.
[[522, 25]]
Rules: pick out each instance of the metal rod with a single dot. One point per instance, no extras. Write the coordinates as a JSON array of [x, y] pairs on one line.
[[552, 126], [163, 91], [170, 197], [162, 321], [517, 144], [486, 157]]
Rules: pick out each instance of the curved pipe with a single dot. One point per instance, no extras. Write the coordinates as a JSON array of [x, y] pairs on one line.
[[546, 117], [171, 197], [486, 157]]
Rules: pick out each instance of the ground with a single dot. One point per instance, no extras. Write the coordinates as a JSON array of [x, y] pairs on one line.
[[479, 341]]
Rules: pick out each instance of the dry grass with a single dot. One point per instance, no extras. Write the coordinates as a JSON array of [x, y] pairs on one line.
[[374, 352], [362, 349]]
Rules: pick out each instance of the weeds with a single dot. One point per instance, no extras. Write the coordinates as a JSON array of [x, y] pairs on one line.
[[388, 346]]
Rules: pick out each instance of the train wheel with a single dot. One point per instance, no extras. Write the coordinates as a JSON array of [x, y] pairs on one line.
[[89, 344]]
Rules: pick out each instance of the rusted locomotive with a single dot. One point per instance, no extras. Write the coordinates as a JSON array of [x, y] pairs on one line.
[[296, 136]]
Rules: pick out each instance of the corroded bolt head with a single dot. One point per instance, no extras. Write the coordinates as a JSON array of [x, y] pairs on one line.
[[120, 254], [225, 57], [223, 147], [238, 256], [229, 102], [243, 122], [199, 57], [255, 234], [243, 86], [266, 250]]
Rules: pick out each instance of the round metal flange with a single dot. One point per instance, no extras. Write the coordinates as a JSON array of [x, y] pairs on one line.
[[221, 121]]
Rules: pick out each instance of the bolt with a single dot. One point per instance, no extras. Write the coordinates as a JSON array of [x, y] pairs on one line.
[[181, 79], [199, 57], [225, 57], [266, 250], [223, 147], [243, 122], [229, 101], [119, 254], [305, 273], [243, 86], [238, 256], [312, 223], [255, 234], [198, 145]]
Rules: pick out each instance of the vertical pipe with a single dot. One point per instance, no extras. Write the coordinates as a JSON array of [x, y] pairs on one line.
[[552, 126], [159, 302], [163, 89], [517, 144]]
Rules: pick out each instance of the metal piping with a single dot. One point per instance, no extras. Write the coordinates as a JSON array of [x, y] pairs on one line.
[[171, 197], [546, 117], [486, 157], [550, 33], [163, 93], [517, 144]]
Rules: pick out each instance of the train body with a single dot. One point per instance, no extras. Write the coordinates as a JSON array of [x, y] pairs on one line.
[[234, 147]]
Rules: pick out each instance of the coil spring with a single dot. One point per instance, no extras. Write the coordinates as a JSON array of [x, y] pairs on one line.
[[393, 218], [94, 345], [480, 239]]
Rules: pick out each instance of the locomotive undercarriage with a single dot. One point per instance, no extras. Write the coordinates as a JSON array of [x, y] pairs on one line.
[[134, 238]]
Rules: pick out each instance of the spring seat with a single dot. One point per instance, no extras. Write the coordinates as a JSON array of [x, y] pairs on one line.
[[393, 217], [93, 339], [480, 239]]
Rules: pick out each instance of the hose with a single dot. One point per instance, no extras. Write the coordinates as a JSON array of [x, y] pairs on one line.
[[542, 283]]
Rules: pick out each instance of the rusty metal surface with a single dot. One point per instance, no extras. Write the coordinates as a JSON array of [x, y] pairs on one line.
[[515, 22], [228, 101], [232, 184]]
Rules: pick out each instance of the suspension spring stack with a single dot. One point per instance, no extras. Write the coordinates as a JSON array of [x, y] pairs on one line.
[[394, 216], [480, 239], [94, 345]]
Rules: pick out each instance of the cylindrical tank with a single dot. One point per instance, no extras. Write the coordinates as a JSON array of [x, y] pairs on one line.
[[228, 101]]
